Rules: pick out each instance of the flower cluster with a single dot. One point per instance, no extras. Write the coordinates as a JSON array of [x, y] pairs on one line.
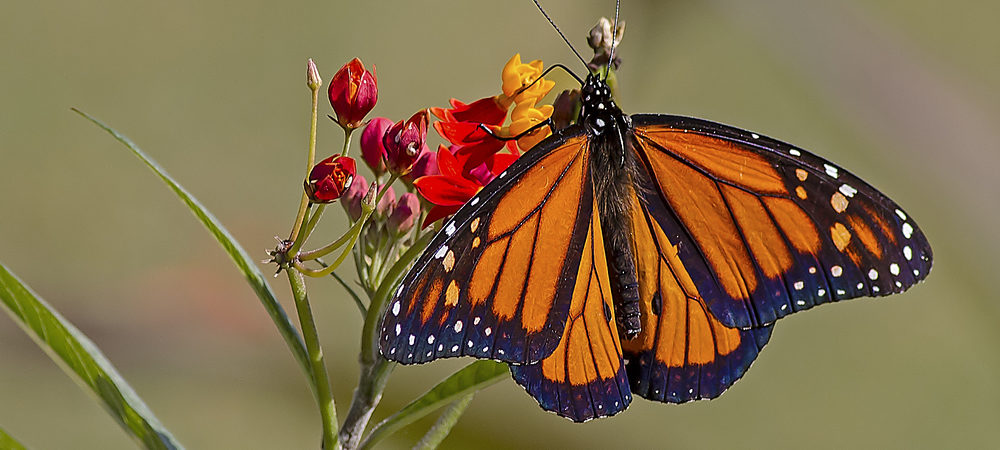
[[474, 157]]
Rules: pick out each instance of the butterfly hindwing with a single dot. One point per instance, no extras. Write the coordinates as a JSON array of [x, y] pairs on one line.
[[497, 280], [584, 378], [683, 352], [766, 229]]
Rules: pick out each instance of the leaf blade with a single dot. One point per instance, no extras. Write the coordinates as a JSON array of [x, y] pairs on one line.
[[235, 251], [82, 360], [470, 379]]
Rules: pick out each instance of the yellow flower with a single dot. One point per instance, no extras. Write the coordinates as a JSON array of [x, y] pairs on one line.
[[524, 116], [517, 76]]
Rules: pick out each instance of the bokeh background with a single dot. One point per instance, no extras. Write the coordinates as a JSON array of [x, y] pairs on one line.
[[905, 94]]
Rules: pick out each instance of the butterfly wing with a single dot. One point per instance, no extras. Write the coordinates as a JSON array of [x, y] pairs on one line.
[[584, 378], [497, 281], [765, 229], [683, 352]]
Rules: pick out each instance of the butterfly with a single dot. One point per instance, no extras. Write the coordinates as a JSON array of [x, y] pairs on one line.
[[645, 254]]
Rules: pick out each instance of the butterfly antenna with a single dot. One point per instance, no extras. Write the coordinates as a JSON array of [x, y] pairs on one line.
[[614, 32], [563, 36]]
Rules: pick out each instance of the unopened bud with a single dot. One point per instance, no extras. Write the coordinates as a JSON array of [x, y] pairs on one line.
[[312, 75]]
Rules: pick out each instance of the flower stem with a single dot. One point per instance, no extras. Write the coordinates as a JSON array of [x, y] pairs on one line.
[[374, 376], [304, 203], [324, 395]]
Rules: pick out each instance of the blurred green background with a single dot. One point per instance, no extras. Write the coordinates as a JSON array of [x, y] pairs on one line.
[[902, 93]]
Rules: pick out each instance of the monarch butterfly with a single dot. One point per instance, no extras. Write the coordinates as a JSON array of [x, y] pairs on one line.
[[647, 254]]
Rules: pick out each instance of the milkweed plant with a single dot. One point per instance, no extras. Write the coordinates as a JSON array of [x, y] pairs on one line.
[[392, 215]]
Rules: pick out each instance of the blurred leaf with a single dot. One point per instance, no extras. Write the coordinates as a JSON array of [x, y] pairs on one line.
[[8, 442], [77, 355], [233, 248], [469, 379], [444, 424]]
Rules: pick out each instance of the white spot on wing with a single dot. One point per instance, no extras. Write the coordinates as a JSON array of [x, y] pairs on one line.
[[799, 285], [755, 135], [487, 331], [475, 201], [395, 309], [794, 152], [412, 339], [840, 292], [458, 326], [503, 174], [894, 269], [475, 321], [450, 229], [398, 329], [801, 303], [901, 215], [847, 190], [873, 274], [832, 172], [441, 252], [836, 271], [430, 339], [821, 292], [454, 348], [907, 253], [907, 230]]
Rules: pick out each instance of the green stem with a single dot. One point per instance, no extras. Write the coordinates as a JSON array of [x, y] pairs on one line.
[[371, 383], [369, 335], [307, 230], [324, 396], [304, 203], [445, 423]]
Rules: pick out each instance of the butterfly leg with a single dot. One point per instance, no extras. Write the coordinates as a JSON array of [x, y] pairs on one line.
[[534, 128]]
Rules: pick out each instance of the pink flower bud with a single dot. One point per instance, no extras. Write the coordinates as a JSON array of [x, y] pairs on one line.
[[353, 92], [404, 141], [387, 203], [312, 75], [372, 149], [405, 215], [330, 179], [426, 165], [354, 196]]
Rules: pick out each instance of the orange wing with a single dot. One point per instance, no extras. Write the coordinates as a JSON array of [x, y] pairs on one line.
[[765, 229], [497, 281], [584, 378], [683, 352]]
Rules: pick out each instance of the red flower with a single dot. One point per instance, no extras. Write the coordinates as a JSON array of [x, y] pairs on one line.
[[330, 179], [353, 92], [455, 186], [462, 126], [404, 141], [427, 164]]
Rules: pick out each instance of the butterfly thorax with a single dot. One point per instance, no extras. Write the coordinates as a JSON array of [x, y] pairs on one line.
[[613, 169]]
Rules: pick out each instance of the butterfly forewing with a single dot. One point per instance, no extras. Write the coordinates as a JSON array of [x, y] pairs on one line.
[[497, 281], [766, 229]]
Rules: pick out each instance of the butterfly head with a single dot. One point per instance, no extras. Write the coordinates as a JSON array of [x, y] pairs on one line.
[[598, 111]]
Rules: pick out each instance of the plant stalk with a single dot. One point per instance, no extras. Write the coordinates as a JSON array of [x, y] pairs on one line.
[[324, 395]]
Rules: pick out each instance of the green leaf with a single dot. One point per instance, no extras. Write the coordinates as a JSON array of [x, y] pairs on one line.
[[8, 442], [470, 379], [445, 423], [80, 358], [229, 244]]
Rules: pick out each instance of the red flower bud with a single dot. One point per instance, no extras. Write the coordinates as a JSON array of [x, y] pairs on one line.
[[404, 141], [354, 196], [405, 214], [387, 203], [330, 179], [353, 92], [372, 149]]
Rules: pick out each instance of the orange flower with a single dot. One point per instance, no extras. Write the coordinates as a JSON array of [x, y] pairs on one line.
[[525, 116], [518, 76]]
